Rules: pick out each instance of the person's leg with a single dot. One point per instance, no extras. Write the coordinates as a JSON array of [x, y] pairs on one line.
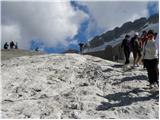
[[80, 50], [134, 56], [144, 64], [155, 72], [138, 57], [125, 53], [152, 76], [127, 56], [141, 57], [157, 69], [149, 71], [156, 76]]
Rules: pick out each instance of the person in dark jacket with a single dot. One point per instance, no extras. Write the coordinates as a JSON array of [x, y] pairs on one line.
[[81, 45], [12, 45], [126, 46], [6, 45]]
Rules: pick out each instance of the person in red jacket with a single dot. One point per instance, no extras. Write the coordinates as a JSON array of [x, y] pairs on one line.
[[143, 39]]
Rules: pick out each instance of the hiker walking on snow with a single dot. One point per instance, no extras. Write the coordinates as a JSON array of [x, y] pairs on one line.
[[136, 49], [81, 45], [126, 46], [150, 56]]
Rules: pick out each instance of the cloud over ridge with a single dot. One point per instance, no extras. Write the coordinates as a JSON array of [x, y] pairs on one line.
[[50, 22], [55, 24]]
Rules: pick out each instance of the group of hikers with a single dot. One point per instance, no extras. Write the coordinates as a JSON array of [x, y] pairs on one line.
[[145, 50], [12, 45]]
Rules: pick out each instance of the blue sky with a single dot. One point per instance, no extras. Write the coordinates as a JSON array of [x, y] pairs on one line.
[[81, 22]]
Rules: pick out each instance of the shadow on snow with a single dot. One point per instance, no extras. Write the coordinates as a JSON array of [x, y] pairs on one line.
[[125, 99]]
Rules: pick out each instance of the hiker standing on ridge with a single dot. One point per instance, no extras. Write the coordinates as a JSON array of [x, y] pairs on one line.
[[6, 45], [126, 45], [136, 49], [81, 45], [12, 45], [150, 56]]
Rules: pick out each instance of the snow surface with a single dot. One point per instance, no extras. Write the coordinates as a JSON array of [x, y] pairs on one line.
[[74, 86]]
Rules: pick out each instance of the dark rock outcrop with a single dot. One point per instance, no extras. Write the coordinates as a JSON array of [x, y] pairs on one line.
[[71, 51]]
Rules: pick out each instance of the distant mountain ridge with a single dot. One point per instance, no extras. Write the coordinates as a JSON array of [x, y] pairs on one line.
[[125, 28], [71, 51]]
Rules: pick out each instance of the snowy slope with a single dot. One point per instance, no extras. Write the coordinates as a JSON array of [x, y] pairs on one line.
[[74, 86], [154, 27]]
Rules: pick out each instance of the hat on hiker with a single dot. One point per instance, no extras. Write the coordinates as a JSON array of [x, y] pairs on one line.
[[151, 32], [127, 36], [136, 33]]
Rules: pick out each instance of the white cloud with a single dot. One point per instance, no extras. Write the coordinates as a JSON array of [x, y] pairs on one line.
[[74, 42], [110, 14], [54, 22], [51, 22], [11, 33]]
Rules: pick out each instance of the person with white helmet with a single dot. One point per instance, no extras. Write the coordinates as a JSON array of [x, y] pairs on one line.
[[136, 49], [136, 33]]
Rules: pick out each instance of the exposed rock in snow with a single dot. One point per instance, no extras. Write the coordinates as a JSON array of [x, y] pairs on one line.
[[74, 86]]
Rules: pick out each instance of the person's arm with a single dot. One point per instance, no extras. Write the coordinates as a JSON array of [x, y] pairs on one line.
[[157, 43], [143, 52], [122, 44], [143, 49]]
